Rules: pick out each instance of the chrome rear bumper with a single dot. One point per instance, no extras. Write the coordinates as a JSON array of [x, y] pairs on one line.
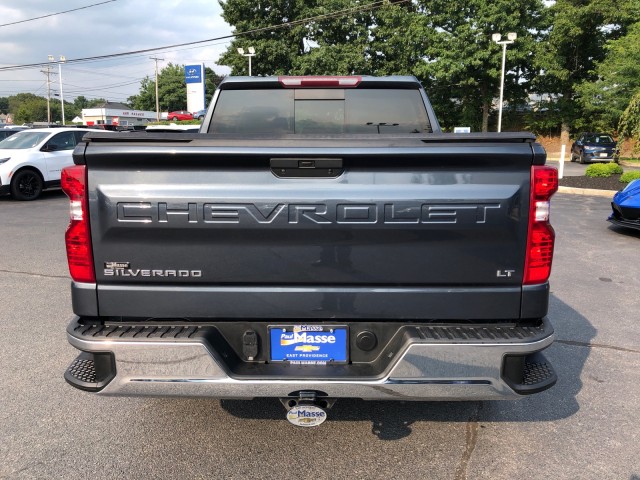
[[422, 370]]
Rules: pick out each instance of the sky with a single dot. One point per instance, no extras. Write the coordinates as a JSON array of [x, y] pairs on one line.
[[115, 26]]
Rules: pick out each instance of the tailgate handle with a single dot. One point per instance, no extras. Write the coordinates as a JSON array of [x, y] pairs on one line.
[[306, 167]]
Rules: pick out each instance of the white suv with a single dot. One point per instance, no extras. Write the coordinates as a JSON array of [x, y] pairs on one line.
[[31, 160]]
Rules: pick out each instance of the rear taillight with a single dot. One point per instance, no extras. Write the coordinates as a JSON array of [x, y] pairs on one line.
[[78, 236], [325, 81], [541, 237]]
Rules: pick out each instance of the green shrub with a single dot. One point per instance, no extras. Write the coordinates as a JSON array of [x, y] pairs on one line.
[[629, 176], [598, 170], [614, 168]]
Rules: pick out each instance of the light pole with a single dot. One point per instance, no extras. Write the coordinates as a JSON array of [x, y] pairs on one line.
[[496, 37], [252, 53], [60, 62]]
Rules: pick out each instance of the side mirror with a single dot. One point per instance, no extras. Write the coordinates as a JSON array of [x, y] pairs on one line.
[[49, 148]]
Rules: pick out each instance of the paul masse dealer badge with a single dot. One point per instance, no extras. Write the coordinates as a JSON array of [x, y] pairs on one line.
[[306, 415], [310, 344]]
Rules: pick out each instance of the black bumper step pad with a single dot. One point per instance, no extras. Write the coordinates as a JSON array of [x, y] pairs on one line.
[[91, 371], [83, 370], [528, 374], [537, 372]]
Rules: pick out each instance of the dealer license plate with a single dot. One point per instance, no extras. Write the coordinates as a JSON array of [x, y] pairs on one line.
[[309, 344], [604, 154]]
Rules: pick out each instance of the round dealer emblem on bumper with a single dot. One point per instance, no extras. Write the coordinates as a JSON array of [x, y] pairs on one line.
[[306, 415]]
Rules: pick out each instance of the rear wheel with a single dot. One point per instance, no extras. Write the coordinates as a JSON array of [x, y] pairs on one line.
[[26, 185], [175, 119]]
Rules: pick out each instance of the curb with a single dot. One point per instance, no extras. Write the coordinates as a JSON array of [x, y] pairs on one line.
[[587, 191]]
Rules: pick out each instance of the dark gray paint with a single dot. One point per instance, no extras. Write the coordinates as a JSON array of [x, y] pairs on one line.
[[481, 304], [473, 200]]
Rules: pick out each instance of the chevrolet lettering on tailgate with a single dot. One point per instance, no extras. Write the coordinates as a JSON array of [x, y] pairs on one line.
[[318, 213]]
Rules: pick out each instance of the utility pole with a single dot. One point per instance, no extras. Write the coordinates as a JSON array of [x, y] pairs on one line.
[[48, 73], [157, 100]]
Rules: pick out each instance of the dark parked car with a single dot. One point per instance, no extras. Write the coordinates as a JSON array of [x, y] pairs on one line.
[[8, 131], [179, 115], [4, 133], [594, 147]]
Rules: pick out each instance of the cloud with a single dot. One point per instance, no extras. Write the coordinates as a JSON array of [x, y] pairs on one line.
[[119, 26]]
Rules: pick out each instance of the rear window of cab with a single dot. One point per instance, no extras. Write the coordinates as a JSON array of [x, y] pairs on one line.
[[320, 111]]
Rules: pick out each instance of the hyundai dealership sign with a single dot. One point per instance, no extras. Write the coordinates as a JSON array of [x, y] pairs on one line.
[[194, 78], [193, 73]]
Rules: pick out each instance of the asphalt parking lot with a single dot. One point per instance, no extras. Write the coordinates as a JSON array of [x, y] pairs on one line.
[[586, 427]]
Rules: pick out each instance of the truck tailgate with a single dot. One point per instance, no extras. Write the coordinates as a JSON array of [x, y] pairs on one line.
[[405, 228]]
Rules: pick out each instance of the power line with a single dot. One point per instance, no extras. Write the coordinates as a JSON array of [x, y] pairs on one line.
[[111, 85], [95, 72], [54, 14], [132, 58], [293, 23]]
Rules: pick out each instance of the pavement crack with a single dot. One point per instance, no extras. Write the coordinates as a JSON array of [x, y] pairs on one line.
[[56, 456], [471, 439], [597, 345], [31, 274]]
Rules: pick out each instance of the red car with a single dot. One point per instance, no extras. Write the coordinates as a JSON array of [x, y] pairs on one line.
[[179, 115]]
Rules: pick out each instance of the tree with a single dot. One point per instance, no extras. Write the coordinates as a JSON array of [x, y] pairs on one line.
[[32, 110], [172, 89], [463, 64], [28, 108], [15, 101], [618, 78], [211, 82], [276, 49], [448, 47], [81, 102], [72, 110], [336, 45], [629, 126], [573, 45], [4, 105], [146, 97]]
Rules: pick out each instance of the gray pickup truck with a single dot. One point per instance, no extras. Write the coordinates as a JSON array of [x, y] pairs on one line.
[[319, 238]]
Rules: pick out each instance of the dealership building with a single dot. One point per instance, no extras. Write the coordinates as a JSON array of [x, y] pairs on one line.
[[111, 113]]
